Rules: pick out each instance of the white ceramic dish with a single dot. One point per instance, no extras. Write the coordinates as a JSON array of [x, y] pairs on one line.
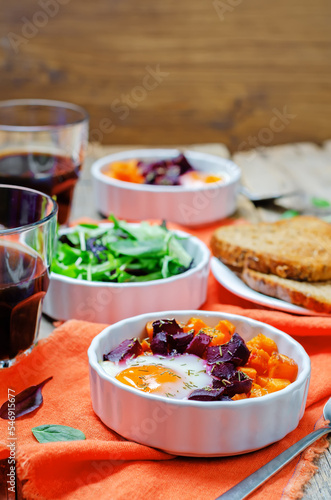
[[185, 205], [69, 298], [195, 428], [234, 284]]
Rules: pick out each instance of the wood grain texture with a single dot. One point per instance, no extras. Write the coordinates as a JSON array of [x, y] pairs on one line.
[[227, 72]]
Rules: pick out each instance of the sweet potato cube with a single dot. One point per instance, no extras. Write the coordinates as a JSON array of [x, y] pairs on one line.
[[263, 342], [217, 337], [258, 360], [276, 384], [196, 323], [237, 397], [225, 327], [149, 330], [261, 380], [257, 391], [145, 344], [281, 366], [250, 372]]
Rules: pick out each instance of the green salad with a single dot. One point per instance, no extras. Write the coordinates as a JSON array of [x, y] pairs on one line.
[[120, 253]]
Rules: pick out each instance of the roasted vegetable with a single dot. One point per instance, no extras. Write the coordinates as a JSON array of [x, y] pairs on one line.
[[234, 351], [198, 344], [128, 348]]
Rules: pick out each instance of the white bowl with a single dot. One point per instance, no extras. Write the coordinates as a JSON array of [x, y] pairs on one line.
[[69, 298], [185, 205], [195, 428]]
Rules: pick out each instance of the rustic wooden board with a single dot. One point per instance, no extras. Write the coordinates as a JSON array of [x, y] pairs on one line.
[[226, 74], [301, 167]]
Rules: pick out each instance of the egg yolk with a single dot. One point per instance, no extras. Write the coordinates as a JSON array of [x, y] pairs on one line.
[[201, 177], [149, 378]]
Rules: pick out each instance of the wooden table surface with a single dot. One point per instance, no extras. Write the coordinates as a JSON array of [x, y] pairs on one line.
[[281, 166], [228, 67]]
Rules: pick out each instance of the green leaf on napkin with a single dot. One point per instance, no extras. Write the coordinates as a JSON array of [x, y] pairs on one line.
[[49, 433], [288, 214], [320, 202]]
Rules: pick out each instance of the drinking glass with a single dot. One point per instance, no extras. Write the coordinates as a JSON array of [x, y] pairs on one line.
[[27, 237], [42, 146]]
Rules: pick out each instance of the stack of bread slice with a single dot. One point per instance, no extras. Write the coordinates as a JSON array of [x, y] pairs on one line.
[[289, 259]]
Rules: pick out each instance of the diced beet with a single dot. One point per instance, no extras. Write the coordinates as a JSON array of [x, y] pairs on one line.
[[215, 354], [127, 349], [240, 352], [159, 344], [223, 370], [179, 341], [235, 351], [164, 172], [238, 384], [183, 163], [207, 394], [169, 326], [198, 344]]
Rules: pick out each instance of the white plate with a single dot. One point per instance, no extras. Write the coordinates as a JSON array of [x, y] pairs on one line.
[[234, 284]]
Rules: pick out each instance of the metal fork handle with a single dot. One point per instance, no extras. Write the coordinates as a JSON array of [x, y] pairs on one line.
[[252, 482]]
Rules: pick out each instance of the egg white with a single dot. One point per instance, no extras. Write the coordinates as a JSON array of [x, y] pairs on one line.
[[190, 371]]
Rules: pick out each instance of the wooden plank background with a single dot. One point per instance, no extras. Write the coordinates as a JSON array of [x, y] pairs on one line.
[[229, 66]]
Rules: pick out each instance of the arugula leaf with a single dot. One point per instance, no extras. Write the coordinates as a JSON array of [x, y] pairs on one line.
[[50, 433], [138, 248], [177, 251], [121, 253]]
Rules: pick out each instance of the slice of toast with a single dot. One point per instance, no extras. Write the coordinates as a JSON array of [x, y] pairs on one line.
[[315, 296], [297, 248]]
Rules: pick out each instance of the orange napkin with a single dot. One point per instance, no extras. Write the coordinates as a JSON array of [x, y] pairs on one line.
[[107, 466]]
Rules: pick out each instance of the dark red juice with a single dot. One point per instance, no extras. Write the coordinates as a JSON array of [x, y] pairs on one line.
[[51, 174], [24, 281]]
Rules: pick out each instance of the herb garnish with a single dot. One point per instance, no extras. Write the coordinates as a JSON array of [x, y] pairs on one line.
[[26, 401]]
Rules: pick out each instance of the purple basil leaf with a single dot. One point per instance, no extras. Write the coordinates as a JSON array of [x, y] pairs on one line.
[[128, 348], [95, 248], [159, 344], [170, 326], [198, 344], [25, 402]]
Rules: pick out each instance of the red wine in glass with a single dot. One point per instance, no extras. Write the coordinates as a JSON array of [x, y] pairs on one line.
[[24, 280], [51, 174]]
